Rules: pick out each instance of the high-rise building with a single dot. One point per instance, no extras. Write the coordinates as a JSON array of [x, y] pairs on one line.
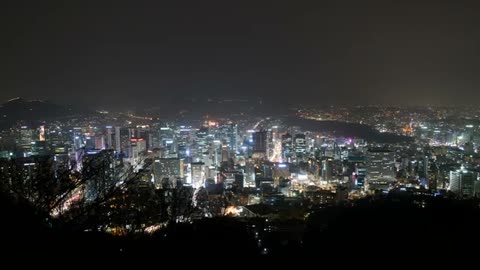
[[170, 168], [198, 174], [360, 175], [300, 145], [287, 147], [110, 137], [138, 146], [78, 138], [327, 169], [40, 148], [98, 168], [90, 143], [25, 139], [380, 164], [380, 169], [123, 138], [143, 132], [260, 142], [61, 164], [249, 179], [233, 138], [462, 183], [57, 140], [228, 135], [167, 136], [270, 145], [118, 146], [225, 153]]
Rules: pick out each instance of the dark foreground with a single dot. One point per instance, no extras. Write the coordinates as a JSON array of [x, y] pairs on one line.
[[385, 229]]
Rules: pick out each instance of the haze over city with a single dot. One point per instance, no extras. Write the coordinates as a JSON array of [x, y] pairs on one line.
[[328, 52]]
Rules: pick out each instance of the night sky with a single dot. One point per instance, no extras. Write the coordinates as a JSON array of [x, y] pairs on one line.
[[327, 52]]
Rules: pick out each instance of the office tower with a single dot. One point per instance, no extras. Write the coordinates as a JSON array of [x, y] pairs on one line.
[[183, 151], [198, 174], [300, 145], [118, 146], [90, 143], [432, 176], [138, 146], [249, 173], [98, 168], [27, 172], [327, 169], [143, 132], [167, 168], [270, 145], [25, 139], [40, 148], [360, 175], [225, 153], [56, 138], [260, 142], [380, 164], [123, 141], [380, 169], [462, 183], [167, 136], [287, 147], [61, 164], [233, 138], [77, 138], [110, 137], [228, 135]]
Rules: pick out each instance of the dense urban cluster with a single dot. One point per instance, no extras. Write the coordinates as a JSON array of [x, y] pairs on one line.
[[121, 173]]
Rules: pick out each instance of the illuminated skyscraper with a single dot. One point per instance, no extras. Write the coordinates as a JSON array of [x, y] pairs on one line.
[[327, 169], [300, 145], [380, 164], [123, 143], [462, 183], [98, 168], [198, 174], [380, 168], [360, 175], [228, 134], [25, 139], [170, 168], [138, 146], [287, 149], [110, 137]]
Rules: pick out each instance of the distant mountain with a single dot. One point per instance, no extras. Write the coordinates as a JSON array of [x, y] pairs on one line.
[[32, 110]]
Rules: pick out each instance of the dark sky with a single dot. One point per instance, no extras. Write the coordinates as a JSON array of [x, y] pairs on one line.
[[328, 52]]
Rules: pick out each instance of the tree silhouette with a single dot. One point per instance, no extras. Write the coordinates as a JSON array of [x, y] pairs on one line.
[[102, 197]]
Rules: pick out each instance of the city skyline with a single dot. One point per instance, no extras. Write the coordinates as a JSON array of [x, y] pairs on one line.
[[235, 130]]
